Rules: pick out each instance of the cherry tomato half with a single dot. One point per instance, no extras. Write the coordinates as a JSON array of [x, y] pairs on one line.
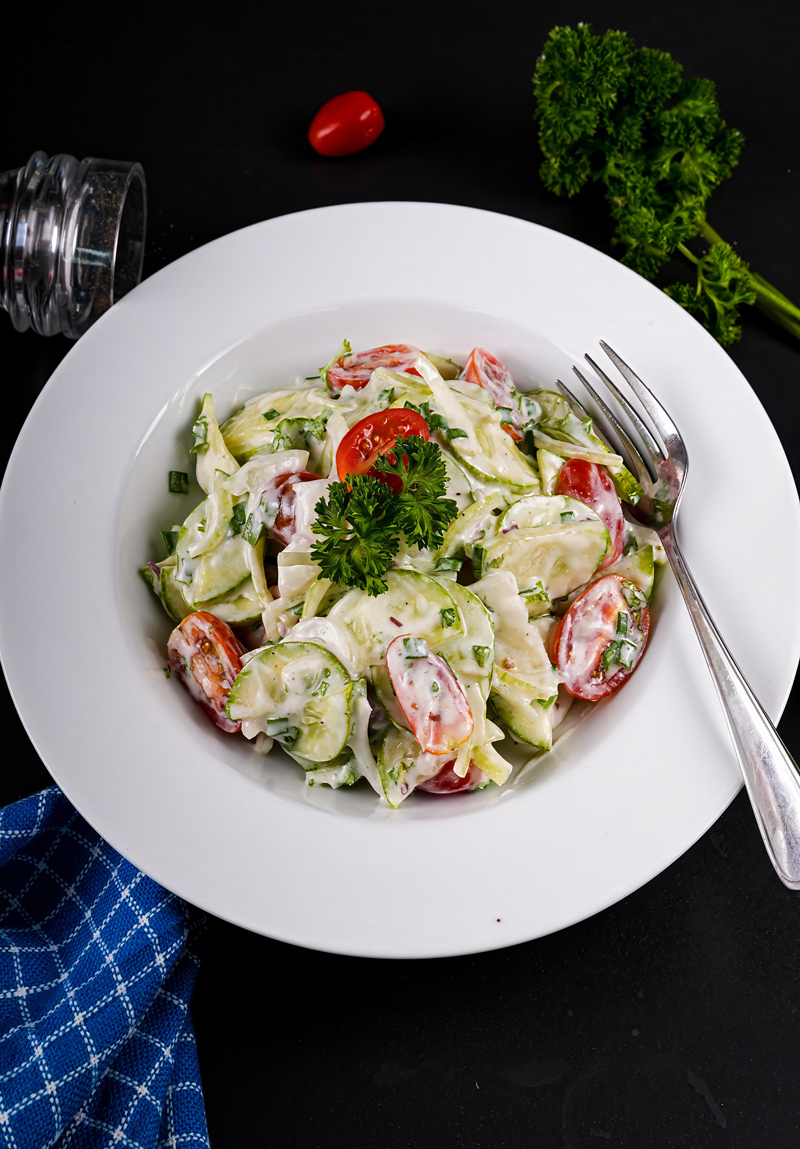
[[588, 630], [448, 782], [488, 372], [206, 656], [283, 487], [375, 435], [430, 696], [591, 483], [348, 123], [356, 369]]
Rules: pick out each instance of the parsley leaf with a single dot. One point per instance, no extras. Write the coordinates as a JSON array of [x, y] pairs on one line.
[[421, 510], [626, 118], [361, 539], [362, 520]]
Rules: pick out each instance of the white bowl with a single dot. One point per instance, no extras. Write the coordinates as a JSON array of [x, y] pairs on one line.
[[82, 639]]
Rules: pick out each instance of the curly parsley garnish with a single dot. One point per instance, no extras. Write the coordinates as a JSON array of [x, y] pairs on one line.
[[624, 117], [362, 519]]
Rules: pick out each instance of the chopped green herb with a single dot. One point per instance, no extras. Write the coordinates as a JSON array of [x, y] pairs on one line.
[[281, 731], [272, 414], [567, 516], [237, 520], [415, 647], [434, 688], [252, 529], [170, 541], [448, 614], [622, 623], [546, 703], [456, 433], [167, 671], [386, 397], [631, 544], [179, 483], [447, 565], [481, 654], [610, 655]]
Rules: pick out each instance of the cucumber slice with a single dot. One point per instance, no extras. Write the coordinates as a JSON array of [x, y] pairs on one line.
[[549, 468], [402, 764], [241, 607], [249, 430], [562, 557], [471, 526], [301, 694], [414, 603], [498, 459], [204, 529], [446, 367], [519, 711], [470, 655], [459, 487], [168, 589], [638, 568], [384, 692], [545, 510], [214, 460], [218, 572]]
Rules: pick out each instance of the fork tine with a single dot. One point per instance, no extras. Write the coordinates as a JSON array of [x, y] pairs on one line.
[[646, 435], [644, 473], [607, 430], [661, 420], [572, 398]]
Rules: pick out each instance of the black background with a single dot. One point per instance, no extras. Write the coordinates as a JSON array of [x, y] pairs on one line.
[[669, 1020]]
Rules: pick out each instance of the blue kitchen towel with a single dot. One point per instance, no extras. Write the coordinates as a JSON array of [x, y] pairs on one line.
[[97, 967]]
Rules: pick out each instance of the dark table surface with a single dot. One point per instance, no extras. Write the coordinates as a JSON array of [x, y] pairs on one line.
[[671, 1019]]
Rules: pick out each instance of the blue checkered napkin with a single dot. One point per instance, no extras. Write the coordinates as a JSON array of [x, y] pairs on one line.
[[97, 966]]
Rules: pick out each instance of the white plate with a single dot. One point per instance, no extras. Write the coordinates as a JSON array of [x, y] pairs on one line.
[[82, 638]]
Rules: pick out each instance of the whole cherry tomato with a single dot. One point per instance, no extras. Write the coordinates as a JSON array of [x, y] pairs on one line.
[[346, 124], [591, 483], [283, 487], [430, 696], [590, 664], [448, 782], [375, 435], [356, 369], [206, 656]]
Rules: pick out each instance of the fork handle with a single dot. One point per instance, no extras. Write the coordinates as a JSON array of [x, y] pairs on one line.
[[771, 775]]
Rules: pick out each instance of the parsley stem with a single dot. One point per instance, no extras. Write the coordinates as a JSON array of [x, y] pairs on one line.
[[772, 300]]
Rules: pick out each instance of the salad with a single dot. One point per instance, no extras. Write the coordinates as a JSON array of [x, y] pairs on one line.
[[399, 564]]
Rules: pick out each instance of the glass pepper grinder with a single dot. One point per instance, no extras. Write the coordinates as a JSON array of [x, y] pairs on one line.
[[71, 240]]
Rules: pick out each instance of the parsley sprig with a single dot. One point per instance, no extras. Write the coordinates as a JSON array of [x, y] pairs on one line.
[[363, 519], [625, 118]]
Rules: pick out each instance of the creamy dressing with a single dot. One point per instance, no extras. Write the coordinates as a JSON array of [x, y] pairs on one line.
[[307, 687]]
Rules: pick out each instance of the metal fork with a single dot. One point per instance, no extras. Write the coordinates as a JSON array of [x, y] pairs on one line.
[[770, 774]]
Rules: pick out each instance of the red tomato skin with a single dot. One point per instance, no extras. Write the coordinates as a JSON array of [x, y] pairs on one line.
[[591, 484], [356, 369], [488, 372], [206, 655], [422, 709], [346, 124], [448, 782], [595, 612], [375, 435], [283, 527]]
